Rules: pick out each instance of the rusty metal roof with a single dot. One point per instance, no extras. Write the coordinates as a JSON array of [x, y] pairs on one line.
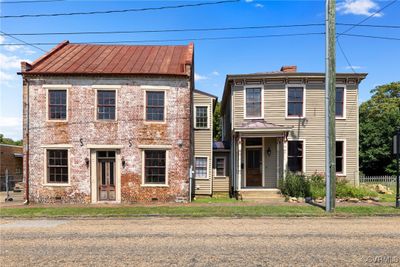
[[85, 59]]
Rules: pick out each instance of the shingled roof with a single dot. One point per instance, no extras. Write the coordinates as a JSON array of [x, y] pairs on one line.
[[85, 59]]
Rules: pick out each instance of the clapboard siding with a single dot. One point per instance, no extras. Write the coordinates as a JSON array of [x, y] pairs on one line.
[[203, 139], [311, 128], [221, 183]]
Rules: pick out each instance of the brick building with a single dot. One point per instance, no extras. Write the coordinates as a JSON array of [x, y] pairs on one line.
[[109, 123], [10, 160]]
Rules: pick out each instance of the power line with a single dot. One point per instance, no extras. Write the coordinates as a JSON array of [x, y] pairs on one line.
[[373, 37], [183, 40], [367, 18], [25, 43], [119, 11], [369, 25], [172, 30], [198, 29], [344, 55], [30, 2]]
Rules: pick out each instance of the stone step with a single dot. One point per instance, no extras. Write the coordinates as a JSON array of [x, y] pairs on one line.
[[260, 194]]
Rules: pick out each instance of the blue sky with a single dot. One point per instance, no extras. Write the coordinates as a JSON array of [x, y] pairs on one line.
[[213, 59]]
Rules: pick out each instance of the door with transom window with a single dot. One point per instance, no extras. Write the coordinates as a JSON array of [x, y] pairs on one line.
[[106, 175]]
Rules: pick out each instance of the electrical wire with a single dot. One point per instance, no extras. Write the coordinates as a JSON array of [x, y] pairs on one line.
[[25, 43], [344, 55], [120, 10]]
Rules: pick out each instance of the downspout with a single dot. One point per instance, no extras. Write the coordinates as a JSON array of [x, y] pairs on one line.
[[27, 146]]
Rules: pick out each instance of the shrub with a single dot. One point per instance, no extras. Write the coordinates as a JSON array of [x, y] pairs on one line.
[[317, 185], [343, 189], [295, 185]]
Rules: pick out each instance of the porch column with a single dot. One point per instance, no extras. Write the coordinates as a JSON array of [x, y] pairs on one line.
[[285, 156], [239, 182]]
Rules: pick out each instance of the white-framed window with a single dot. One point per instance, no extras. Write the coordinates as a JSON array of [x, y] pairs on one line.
[[201, 117], [296, 156], [253, 102], [155, 106], [106, 104], [201, 167], [340, 157], [57, 166], [220, 166], [340, 104], [295, 101]]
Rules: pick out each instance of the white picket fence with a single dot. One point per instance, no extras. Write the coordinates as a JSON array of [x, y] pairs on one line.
[[384, 180]]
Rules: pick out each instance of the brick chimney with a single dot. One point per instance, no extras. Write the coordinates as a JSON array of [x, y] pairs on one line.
[[289, 69], [25, 66]]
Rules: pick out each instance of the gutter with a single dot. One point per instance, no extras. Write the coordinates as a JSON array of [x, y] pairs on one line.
[[27, 147]]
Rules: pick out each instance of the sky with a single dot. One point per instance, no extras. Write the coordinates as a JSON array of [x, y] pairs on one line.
[[214, 59]]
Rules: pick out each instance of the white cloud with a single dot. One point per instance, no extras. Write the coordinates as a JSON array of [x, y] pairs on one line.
[[12, 48], [198, 77], [215, 73], [259, 5], [353, 67], [5, 77], [10, 62], [359, 7], [11, 127]]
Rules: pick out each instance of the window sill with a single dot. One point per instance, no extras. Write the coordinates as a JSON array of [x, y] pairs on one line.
[[105, 121], [253, 118], [340, 118], [221, 177], [49, 120], [57, 185], [202, 178], [341, 174], [154, 185], [205, 128], [154, 122], [295, 117]]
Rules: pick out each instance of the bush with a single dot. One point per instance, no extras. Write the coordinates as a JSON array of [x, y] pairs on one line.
[[314, 186], [295, 185]]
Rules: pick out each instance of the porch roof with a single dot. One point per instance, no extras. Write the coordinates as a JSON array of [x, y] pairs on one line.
[[261, 126]]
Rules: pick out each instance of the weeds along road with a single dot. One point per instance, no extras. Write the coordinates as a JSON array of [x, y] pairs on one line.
[[201, 242]]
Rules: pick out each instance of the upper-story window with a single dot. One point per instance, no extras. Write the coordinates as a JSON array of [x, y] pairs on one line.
[[57, 104], [295, 98], [106, 104], [155, 106], [339, 102], [201, 117], [253, 102]]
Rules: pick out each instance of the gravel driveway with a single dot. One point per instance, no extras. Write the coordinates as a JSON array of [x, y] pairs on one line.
[[201, 242]]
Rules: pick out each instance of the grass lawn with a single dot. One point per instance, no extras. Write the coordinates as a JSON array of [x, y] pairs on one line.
[[215, 200], [194, 211]]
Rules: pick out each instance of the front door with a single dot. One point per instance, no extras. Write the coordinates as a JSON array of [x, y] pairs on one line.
[[253, 167], [106, 175]]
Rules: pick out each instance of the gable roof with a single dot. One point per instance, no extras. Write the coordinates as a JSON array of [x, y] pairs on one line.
[[86, 59]]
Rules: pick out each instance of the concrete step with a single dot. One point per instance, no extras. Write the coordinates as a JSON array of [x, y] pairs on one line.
[[260, 194]]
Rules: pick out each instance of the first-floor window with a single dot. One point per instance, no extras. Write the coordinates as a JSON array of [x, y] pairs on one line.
[[339, 156], [57, 166], [220, 166], [201, 167], [295, 156], [155, 166]]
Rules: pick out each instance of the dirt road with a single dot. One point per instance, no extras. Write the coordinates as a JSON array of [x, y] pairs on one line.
[[201, 242]]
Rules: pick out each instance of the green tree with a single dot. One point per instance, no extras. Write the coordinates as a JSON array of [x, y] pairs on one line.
[[379, 121], [217, 132], [9, 141]]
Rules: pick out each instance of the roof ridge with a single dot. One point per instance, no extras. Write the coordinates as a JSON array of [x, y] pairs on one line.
[[51, 52]]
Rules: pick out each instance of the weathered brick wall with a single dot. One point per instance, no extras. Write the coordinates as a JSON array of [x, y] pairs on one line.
[[129, 130], [9, 161]]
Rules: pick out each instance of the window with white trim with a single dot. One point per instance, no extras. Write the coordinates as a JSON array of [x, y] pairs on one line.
[[155, 105], [340, 157], [201, 167], [57, 104], [295, 98], [57, 166], [106, 104], [295, 156], [339, 105], [253, 102], [201, 117], [155, 166], [220, 166]]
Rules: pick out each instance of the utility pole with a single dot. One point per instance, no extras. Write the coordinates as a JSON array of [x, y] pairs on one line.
[[330, 96]]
